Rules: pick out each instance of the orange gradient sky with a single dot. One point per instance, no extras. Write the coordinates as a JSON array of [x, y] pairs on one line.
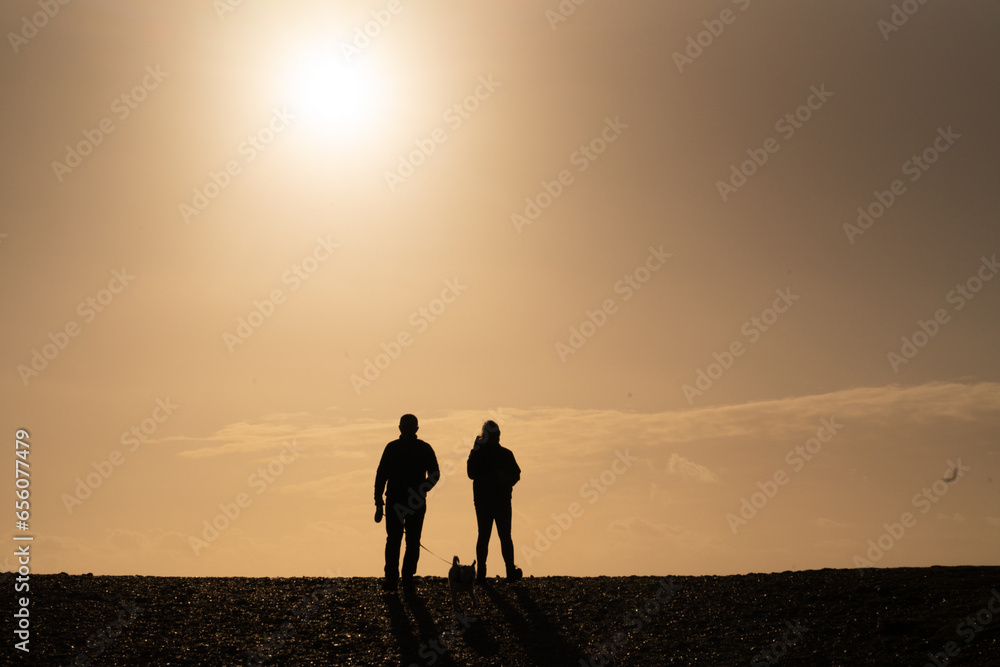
[[255, 236]]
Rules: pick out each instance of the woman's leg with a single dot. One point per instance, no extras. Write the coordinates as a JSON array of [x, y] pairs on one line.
[[484, 517], [503, 519]]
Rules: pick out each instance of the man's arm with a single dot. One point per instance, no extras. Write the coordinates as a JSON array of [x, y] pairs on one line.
[[433, 471], [381, 476]]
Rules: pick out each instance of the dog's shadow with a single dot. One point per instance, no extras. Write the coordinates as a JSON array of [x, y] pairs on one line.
[[478, 637]]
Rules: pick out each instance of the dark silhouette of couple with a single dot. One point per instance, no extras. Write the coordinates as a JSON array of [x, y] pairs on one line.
[[409, 469]]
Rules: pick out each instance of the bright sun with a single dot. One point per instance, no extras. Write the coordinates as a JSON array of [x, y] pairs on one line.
[[332, 96]]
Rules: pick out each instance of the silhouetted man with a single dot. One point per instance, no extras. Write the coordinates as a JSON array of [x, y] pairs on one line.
[[411, 470], [493, 472]]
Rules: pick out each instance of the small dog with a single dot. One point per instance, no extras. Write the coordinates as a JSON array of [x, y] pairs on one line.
[[462, 578]]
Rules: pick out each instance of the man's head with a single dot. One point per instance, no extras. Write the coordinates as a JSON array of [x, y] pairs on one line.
[[408, 425]]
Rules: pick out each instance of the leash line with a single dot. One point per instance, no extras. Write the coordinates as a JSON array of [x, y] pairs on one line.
[[433, 554]]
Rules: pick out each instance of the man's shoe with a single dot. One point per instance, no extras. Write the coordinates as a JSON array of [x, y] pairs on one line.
[[514, 574], [389, 586]]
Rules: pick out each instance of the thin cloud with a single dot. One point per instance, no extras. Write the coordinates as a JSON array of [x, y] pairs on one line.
[[678, 465]]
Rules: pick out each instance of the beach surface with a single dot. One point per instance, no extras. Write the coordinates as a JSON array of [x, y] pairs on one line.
[[902, 616]]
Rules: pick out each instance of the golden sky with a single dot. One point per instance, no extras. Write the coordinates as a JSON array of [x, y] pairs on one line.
[[723, 271]]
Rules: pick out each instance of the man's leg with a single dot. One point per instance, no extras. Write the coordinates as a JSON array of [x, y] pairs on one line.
[[393, 536], [484, 518], [414, 526]]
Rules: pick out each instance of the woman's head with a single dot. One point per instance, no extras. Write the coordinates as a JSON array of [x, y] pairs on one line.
[[490, 433]]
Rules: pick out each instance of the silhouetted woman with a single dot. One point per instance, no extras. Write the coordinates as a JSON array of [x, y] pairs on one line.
[[493, 472]]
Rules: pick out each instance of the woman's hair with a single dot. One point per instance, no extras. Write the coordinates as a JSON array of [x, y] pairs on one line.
[[490, 431]]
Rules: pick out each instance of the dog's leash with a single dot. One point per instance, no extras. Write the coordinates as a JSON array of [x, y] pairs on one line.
[[434, 554]]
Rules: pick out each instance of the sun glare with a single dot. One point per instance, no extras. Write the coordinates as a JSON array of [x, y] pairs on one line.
[[330, 95]]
